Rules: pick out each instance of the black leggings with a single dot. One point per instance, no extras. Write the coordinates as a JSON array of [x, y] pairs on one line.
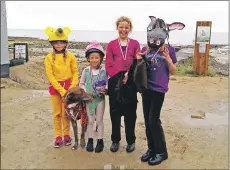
[[152, 104], [129, 112], [122, 102]]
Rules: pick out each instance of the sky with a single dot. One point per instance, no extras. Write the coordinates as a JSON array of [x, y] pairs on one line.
[[102, 15]]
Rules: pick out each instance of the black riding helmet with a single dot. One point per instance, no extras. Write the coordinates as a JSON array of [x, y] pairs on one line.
[[94, 50], [94, 47]]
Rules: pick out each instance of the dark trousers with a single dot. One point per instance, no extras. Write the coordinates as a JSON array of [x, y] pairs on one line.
[[152, 104], [124, 105]]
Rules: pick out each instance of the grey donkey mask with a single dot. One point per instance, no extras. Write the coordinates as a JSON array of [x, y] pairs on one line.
[[158, 31]]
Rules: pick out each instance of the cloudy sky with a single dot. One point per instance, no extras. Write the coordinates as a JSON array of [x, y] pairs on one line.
[[101, 15]]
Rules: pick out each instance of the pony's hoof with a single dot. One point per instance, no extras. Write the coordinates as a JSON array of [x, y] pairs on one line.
[[82, 143]]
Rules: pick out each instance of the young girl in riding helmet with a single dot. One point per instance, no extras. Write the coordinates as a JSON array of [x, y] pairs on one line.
[[94, 80], [62, 73]]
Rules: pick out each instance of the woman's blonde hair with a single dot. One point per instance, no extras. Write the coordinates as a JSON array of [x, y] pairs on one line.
[[124, 19]]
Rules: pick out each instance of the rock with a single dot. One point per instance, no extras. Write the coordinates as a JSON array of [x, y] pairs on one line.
[[122, 167], [172, 78], [108, 166], [199, 115]]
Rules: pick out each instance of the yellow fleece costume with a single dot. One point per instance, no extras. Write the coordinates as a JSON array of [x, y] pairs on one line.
[[59, 69]]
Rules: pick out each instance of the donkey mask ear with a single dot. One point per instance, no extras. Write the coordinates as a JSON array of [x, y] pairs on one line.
[[175, 25], [152, 18]]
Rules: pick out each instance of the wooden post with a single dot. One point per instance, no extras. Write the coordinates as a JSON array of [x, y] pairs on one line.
[[202, 46], [5, 61]]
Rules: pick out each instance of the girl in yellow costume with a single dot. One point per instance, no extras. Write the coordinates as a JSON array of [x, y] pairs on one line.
[[62, 72]]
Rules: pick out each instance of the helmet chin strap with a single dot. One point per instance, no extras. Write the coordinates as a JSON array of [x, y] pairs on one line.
[[60, 52], [98, 66]]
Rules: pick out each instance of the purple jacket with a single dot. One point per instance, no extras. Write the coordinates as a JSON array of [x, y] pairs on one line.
[[158, 71], [114, 59]]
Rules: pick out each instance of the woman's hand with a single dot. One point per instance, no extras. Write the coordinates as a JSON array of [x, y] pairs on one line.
[[125, 78]]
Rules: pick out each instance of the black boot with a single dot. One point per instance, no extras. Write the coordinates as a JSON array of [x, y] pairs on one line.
[[100, 146], [130, 148], [158, 158], [146, 156], [89, 146], [114, 147]]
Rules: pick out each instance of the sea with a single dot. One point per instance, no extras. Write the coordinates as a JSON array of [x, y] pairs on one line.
[[175, 37]]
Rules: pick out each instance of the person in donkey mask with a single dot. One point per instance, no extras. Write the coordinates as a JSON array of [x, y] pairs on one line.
[[161, 60]]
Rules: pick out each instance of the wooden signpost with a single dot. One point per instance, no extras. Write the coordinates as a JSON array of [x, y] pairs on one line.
[[21, 51], [202, 46]]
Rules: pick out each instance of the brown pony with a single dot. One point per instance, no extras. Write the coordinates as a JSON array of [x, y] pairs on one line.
[[75, 107]]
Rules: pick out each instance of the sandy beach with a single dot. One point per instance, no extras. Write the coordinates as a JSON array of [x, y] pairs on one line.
[[27, 132]]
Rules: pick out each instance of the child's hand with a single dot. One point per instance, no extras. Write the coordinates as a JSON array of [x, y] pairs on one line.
[[139, 54], [104, 91], [167, 56]]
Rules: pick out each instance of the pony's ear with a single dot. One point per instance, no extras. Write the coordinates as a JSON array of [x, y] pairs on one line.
[[152, 17], [87, 97], [65, 95], [176, 25]]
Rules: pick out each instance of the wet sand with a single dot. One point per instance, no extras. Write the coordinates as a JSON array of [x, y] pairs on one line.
[[27, 133]]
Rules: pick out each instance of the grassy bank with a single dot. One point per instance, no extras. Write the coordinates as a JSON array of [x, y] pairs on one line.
[[185, 68]]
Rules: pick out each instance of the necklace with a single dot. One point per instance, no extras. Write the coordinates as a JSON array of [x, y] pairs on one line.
[[124, 56], [92, 78], [153, 59]]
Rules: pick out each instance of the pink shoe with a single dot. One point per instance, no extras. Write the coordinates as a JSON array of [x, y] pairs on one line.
[[58, 142], [67, 140]]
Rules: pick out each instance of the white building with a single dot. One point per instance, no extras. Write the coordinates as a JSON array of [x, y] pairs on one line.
[[4, 42]]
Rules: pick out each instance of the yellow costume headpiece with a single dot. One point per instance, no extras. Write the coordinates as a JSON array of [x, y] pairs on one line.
[[57, 34]]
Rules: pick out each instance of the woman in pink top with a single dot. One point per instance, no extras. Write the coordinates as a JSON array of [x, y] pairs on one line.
[[122, 92]]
